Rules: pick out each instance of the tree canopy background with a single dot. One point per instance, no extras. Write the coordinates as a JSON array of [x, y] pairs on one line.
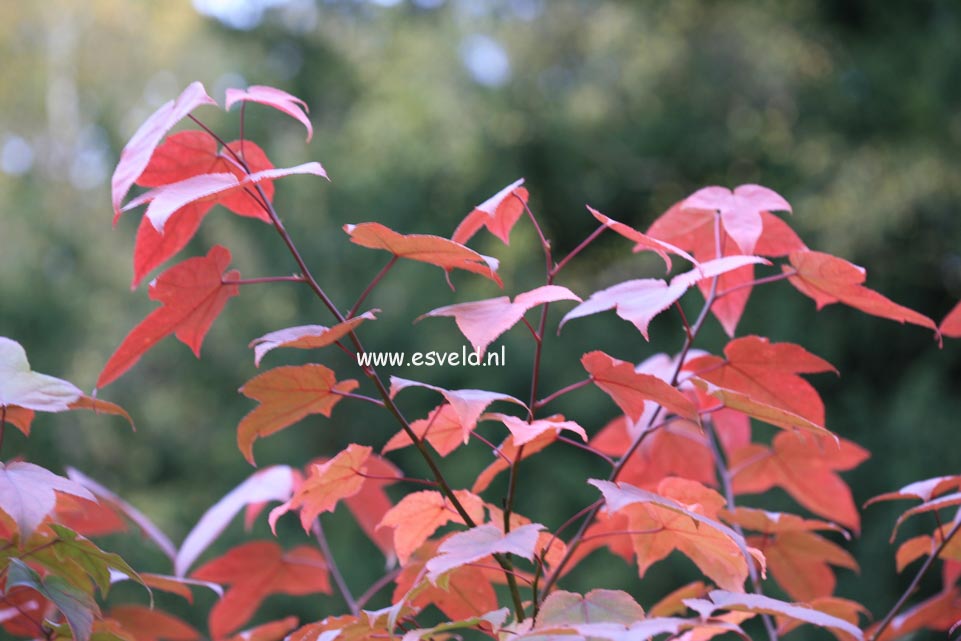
[[423, 108]]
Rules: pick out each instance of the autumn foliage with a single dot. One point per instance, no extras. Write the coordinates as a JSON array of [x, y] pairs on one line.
[[694, 433]]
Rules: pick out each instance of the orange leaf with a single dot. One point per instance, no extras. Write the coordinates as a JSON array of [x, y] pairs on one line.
[[806, 468], [631, 390], [418, 515], [256, 570], [510, 451], [19, 417], [286, 395], [433, 250], [767, 372], [306, 336], [843, 609], [938, 613], [328, 483], [273, 631], [146, 624], [828, 279], [99, 406], [442, 429], [191, 296], [371, 503], [499, 214], [800, 562]]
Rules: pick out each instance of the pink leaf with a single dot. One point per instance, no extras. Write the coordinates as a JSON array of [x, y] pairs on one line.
[[468, 404], [483, 321], [525, 432], [27, 494], [306, 336], [168, 199], [136, 154], [273, 97], [643, 241], [951, 325], [28, 389], [476, 543], [270, 484], [740, 210]]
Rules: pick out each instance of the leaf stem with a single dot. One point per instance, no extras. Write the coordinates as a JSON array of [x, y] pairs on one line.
[[334, 570], [373, 283], [574, 252], [295, 278], [893, 612], [564, 390], [377, 586], [758, 281], [359, 397]]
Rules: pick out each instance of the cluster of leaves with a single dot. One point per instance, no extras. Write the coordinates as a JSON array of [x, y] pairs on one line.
[[681, 452]]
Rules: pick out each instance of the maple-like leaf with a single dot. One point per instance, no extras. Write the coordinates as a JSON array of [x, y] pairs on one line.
[[673, 603], [760, 604], [466, 547], [77, 606], [29, 390], [137, 153], [146, 624], [631, 390], [272, 97], [167, 200], [639, 301], [256, 570], [286, 395], [306, 336], [498, 214], [740, 210], [371, 503], [28, 494], [951, 325], [767, 372], [184, 155], [468, 592], [507, 452], [442, 429], [843, 609], [643, 242], [272, 631], [612, 606], [328, 483], [418, 515], [524, 432], [481, 322], [694, 230], [828, 279], [432, 250], [273, 483], [681, 516], [806, 468], [468, 404], [191, 295]]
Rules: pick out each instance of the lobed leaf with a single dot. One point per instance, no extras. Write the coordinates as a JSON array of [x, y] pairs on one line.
[[498, 214], [272, 97], [306, 336]]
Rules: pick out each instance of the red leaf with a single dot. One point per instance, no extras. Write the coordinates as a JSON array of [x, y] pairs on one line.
[[191, 296], [468, 404], [442, 429], [272, 97], [419, 514], [631, 390], [167, 200], [767, 372], [951, 325], [828, 279], [256, 570], [643, 241], [138, 151], [87, 518], [147, 624], [273, 483], [499, 214], [476, 543], [740, 210], [806, 468], [306, 336], [432, 250], [27, 494], [286, 395], [273, 631], [481, 322], [328, 483], [639, 301], [693, 230], [28, 389], [801, 562], [184, 155]]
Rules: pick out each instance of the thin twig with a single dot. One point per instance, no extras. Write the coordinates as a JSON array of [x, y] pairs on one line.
[[574, 252], [373, 283], [564, 390], [334, 570]]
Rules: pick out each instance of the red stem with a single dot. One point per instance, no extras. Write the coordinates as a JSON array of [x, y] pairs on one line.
[[564, 390], [574, 252]]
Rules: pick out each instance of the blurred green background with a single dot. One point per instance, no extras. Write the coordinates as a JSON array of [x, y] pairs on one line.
[[423, 108]]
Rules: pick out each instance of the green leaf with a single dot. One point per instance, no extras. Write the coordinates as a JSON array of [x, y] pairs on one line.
[[77, 606], [95, 563]]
